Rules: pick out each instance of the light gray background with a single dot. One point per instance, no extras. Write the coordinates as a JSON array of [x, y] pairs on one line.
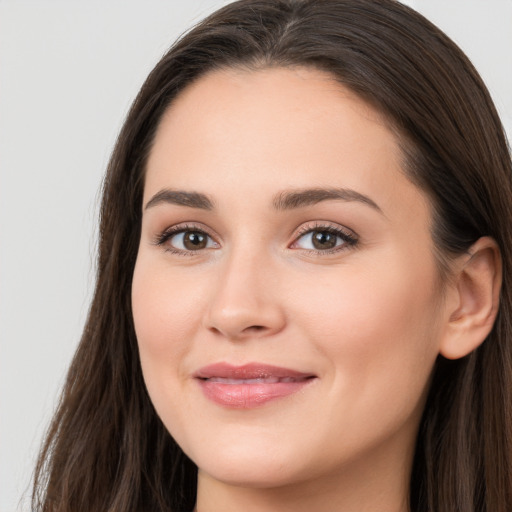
[[68, 72]]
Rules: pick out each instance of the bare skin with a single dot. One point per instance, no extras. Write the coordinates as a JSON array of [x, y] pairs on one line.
[[340, 284]]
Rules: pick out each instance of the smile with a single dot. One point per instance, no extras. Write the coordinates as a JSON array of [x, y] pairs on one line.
[[249, 386], [264, 380]]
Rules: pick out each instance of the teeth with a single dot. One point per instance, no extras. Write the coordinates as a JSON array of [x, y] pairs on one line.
[[261, 380]]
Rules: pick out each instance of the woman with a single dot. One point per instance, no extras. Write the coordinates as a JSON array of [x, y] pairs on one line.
[[303, 295]]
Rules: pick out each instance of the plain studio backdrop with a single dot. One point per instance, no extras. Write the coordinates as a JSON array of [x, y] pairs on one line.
[[68, 73]]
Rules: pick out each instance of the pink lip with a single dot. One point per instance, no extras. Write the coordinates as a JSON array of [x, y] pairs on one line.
[[250, 385]]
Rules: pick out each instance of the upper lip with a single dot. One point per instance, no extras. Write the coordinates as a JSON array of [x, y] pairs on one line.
[[249, 371]]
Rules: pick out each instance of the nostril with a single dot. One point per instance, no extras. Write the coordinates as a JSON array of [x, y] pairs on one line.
[[247, 330], [256, 328]]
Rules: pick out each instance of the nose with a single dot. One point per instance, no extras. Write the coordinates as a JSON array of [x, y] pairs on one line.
[[245, 301]]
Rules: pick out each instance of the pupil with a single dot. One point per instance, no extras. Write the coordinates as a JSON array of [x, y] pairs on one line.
[[194, 240], [324, 240]]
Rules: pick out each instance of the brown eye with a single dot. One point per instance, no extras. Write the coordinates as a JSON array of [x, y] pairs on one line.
[[194, 240], [323, 240], [188, 240]]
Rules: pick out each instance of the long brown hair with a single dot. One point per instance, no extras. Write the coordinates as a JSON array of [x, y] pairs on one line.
[[106, 448]]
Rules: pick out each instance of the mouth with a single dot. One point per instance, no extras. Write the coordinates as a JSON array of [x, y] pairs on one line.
[[259, 380], [251, 385]]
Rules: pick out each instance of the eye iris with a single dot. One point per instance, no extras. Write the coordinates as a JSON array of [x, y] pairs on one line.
[[194, 240], [323, 240]]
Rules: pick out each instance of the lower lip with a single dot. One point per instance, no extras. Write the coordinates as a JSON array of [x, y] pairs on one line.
[[248, 396]]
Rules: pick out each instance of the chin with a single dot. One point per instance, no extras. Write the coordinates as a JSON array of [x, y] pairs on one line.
[[258, 465], [252, 474]]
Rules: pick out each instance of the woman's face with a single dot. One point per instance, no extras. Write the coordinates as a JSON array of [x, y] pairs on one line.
[[285, 295]]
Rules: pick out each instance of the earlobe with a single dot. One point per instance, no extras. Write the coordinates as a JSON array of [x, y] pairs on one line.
[[477, 285]]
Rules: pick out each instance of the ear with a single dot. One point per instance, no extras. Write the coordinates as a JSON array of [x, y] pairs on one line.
[[476, 291]]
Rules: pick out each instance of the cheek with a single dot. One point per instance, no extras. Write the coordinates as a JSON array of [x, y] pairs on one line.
[[166, 317], [377, 326], [376, 329]]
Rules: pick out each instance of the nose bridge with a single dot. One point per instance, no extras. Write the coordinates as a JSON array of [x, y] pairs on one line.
[[244, 301]]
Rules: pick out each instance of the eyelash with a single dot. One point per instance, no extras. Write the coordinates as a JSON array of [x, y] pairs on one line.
[[348, 238], [162, 238]]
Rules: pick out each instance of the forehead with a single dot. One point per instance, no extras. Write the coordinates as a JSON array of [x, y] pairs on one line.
[[272, 129], [271, 108]]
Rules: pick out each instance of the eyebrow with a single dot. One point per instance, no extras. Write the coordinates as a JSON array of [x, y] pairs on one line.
[[181, 198], [285, 200], [289, 200]]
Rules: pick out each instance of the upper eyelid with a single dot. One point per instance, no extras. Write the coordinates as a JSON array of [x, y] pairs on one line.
[[304, 227], [327, 225], [189, 226]]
